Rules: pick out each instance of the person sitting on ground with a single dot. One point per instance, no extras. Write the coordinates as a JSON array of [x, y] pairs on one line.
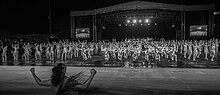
[[63, 85]]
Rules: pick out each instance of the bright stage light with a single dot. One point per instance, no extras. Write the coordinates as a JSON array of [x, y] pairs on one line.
[[119, 24], [128, 21], [155, 24], [146, 20], [139, 21], [134, 21]]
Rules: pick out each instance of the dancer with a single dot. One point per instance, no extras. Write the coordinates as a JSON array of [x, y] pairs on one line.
[[37, 52], [212, 51], [190, 52], [157, 55], [173, 55], [106, 54], [15, 52], [58, 50], [51, 54], [199, 47], [84, 54], [185, 49], [195, 51], [65, 51], [206, 50], [47, 51], [216, 47], [27, 51], [70, 51], [63, 85], [76, 50], [120, 54], [4, 53]]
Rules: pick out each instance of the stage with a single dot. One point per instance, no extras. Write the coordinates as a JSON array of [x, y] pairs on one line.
[[98, 61], [17, 80]]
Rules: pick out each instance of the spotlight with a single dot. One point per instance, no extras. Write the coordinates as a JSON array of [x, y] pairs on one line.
[[139, 21], [146, 20], [141, 24], [155, 23], [128, 21], [148, 24], [133, 24], [134, 21], [119, 24], [126, 24]]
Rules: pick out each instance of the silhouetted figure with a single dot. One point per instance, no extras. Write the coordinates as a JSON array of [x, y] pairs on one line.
[[61, 84]]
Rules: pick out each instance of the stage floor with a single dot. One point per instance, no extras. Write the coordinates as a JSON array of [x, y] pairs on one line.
[[17, 80], [99, 62]]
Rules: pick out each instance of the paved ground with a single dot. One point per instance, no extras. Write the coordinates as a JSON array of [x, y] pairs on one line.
[[17, 80]]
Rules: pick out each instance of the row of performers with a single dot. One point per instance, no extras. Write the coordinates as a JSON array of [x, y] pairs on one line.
[[117, 50], [167, 49]]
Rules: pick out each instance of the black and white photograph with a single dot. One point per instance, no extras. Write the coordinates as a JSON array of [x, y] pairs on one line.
[[109, 47]]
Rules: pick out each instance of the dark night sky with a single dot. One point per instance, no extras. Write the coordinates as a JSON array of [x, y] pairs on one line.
[[31, 16]]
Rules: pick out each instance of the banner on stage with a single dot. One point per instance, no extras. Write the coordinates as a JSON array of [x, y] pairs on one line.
[[198, 30], [82, 33]]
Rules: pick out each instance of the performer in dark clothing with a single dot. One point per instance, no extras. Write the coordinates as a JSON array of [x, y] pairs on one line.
[[61, 84]]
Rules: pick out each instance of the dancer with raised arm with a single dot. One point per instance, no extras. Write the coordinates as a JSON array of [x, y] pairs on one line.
[[15, 52], [61, 84], [27, 51]]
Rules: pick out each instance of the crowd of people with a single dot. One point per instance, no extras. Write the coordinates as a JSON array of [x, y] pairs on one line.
[[127, 49]]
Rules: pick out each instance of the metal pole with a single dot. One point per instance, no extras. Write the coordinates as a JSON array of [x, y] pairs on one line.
[[210, 24], [94, 29], [183, 25], [72, 25]]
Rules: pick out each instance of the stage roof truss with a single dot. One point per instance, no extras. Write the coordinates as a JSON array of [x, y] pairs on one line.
[[140, 5]]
